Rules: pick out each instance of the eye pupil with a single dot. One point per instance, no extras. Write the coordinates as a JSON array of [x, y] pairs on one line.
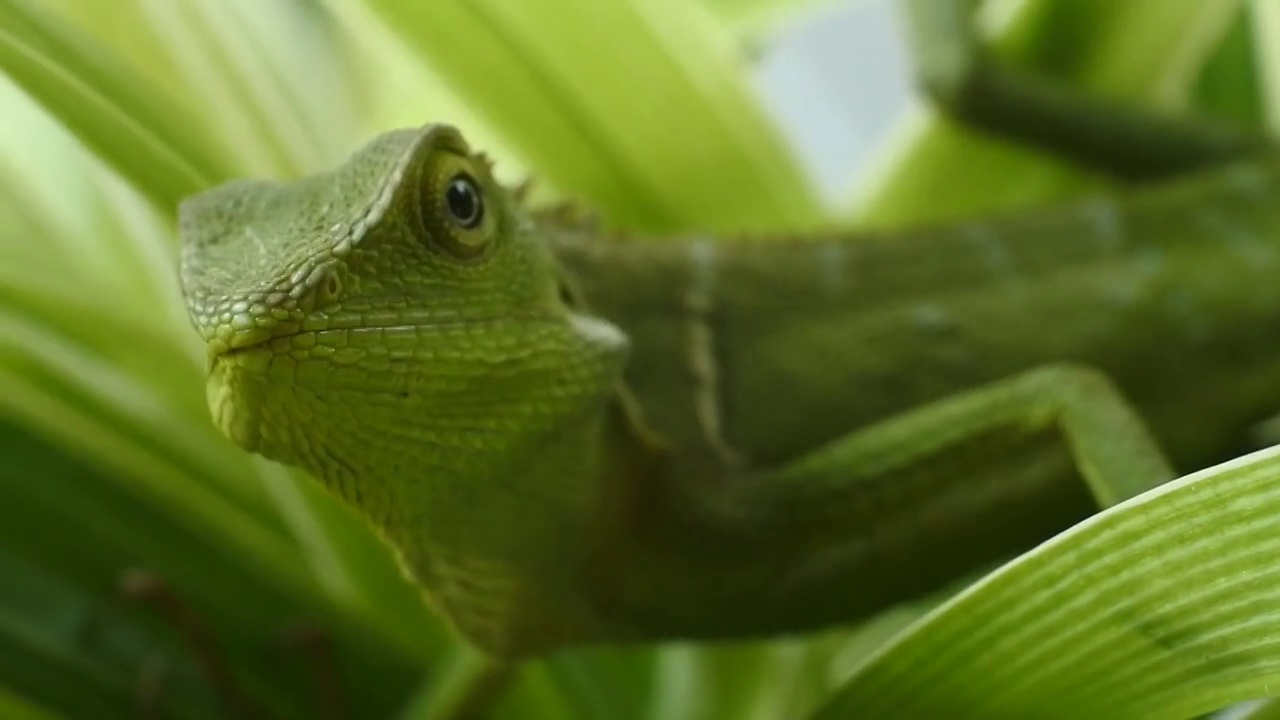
[[463, 200]]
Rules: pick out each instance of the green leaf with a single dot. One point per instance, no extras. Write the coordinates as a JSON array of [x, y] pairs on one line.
[[1163, 606], [18, 708], [610, 131], [750, 18], [1266, 34], [1229, 86], [142, 134], [65, 539]]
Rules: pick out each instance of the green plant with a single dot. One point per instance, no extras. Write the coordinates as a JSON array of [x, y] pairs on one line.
[[116, 111]]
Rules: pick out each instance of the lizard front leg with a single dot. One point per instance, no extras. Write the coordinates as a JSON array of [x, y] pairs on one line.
[[915, 501], [890, 511], [854, 551], [1116, 456]]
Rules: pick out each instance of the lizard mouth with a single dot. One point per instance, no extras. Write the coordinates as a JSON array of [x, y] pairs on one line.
[[241, 341]]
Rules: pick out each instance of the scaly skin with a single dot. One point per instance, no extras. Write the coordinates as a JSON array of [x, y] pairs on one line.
[[355, 332], [569, 438]]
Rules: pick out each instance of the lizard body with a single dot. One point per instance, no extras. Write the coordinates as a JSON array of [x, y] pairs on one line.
[[576, 439], [1169, 292]]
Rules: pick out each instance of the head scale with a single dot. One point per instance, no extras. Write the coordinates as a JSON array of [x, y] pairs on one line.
[[394, 327], [401, 300]]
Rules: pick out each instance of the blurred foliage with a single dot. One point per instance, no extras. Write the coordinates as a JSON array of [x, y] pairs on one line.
[[114, 111]]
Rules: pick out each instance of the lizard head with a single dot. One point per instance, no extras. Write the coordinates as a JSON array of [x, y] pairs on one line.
[[394, 317]]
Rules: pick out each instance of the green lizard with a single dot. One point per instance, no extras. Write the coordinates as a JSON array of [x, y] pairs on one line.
[[573, 438]]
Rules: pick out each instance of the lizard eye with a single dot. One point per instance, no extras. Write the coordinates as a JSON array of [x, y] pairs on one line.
[[463, 201], [453, 208]]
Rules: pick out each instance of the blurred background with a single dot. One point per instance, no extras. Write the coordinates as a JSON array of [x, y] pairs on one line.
[[834, 80], [667, 115]]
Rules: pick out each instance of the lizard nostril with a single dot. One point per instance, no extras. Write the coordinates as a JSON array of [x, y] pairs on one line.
[[329, 288]]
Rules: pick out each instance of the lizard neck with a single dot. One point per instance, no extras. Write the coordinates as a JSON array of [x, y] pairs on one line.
[[513, 554], [494, 510], [495, 538], [477, 456]]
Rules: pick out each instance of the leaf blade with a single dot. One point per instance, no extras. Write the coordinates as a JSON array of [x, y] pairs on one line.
[[602, 130], [141, 133], [1137, 590]]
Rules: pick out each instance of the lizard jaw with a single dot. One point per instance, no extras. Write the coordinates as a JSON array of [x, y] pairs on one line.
[[227, 342], [234, 374]]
